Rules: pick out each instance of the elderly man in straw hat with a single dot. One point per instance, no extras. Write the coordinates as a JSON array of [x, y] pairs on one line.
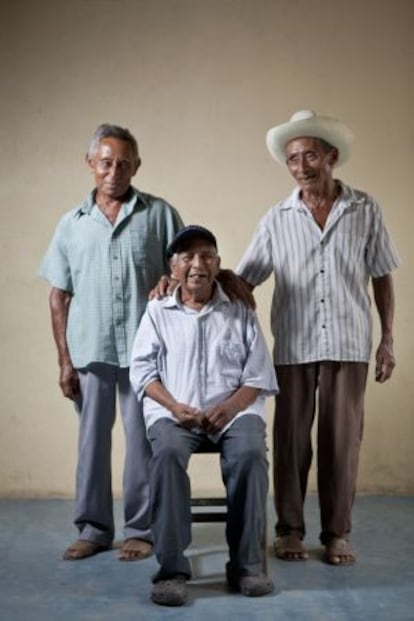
[[323, 243]]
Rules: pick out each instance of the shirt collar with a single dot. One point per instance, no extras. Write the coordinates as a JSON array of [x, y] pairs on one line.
[[132, 199], [347, 197]]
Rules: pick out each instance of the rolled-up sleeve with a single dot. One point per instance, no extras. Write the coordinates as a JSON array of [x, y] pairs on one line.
[[258, 370], [381, 254], [145, 353], [55, 265], [256, 264]]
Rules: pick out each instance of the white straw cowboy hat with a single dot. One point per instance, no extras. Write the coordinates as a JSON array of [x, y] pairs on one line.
[[307, 124]]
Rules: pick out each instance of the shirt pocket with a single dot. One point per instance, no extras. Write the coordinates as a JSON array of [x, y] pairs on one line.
[[141, 244], [232, 356], [147, 254], [350, 249]]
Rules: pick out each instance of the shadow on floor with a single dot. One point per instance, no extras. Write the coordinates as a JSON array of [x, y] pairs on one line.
[[36, 584]]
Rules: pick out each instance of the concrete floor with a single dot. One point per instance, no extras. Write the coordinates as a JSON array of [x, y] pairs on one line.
[[36, 585]]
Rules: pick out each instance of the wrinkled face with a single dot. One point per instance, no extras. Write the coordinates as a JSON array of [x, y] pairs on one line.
[[310, 163], [196, 267], [113, 165]]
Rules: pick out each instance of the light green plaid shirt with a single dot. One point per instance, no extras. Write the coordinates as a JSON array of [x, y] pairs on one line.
[[109, 270]]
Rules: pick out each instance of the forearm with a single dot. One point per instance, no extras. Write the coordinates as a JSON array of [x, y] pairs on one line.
[[188, 416], [236, 287], [59, 302], [242, 398], [384, 300], [156, 391], [218, 416]]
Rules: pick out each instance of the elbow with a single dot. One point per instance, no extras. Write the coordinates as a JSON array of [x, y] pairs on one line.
[[59, 299]]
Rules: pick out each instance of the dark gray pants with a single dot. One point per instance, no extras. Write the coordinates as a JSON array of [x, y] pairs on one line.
[[94, 504], [244, 470], [341, 388]]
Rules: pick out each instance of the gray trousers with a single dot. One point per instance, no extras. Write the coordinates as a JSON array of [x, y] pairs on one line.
[[340, 387], [94, 504], [244, 470]]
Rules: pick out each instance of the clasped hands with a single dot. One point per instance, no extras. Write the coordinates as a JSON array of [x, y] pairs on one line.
[[211, 421]]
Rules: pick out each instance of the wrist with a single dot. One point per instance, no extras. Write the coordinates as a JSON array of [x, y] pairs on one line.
[[65, 362]]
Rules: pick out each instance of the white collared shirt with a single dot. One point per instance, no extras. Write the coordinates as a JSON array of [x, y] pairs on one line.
[[202, 357], [321, 305]]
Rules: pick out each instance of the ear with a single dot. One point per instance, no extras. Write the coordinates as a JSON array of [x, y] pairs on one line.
[[89, 162], [172, 263], [333, 156], [218, 264], [137, 166]]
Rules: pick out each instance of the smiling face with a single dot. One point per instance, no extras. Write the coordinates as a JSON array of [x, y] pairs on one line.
[[196, 267], [113, 165], [310, 162]]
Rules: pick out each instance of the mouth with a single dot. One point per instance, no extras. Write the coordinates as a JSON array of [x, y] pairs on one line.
[[307, 178], [196, 277]]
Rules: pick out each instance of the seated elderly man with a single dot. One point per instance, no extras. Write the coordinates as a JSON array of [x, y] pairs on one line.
[[201, 365]]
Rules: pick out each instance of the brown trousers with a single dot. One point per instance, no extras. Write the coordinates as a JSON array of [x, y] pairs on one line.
[[340, 387]]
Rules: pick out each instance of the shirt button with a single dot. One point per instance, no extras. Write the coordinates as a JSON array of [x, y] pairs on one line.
[[323, 326], [322, 271], [115, 257], [322, 301]]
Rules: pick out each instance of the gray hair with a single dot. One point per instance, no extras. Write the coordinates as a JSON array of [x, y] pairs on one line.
[[106, 130]]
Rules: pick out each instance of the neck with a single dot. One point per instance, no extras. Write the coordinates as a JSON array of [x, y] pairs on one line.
[[105, 201], [109, 205], [195, 300], [324, 196]]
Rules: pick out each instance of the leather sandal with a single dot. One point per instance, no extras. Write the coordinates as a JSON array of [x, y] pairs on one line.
[[339, 552], [290, 548], [82, 548]]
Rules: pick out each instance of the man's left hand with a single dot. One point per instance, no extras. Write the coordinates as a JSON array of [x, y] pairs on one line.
[[217, 417], [385, 361]]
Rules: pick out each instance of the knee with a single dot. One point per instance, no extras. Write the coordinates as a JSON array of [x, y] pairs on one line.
[[252, 456], [247, 442], [167, 454]]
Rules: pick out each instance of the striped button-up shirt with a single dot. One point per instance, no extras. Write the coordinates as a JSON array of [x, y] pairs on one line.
[[202, 357], [321, 304], [109, 270]]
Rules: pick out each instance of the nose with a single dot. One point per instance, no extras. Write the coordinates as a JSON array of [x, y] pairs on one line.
[[303, 163], [115, 169], [197, 260]]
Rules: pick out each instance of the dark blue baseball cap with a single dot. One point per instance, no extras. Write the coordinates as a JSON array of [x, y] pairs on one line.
[[193, 231]]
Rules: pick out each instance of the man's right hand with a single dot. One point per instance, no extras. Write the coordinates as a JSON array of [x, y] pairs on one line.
[[165, 286], [187, 416], [69, 381]]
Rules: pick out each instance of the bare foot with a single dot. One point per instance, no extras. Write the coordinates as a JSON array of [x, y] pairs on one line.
[[290, 548], [135, 550]]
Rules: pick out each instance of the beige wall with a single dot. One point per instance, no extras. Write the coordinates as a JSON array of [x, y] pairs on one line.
[[199, 82]]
